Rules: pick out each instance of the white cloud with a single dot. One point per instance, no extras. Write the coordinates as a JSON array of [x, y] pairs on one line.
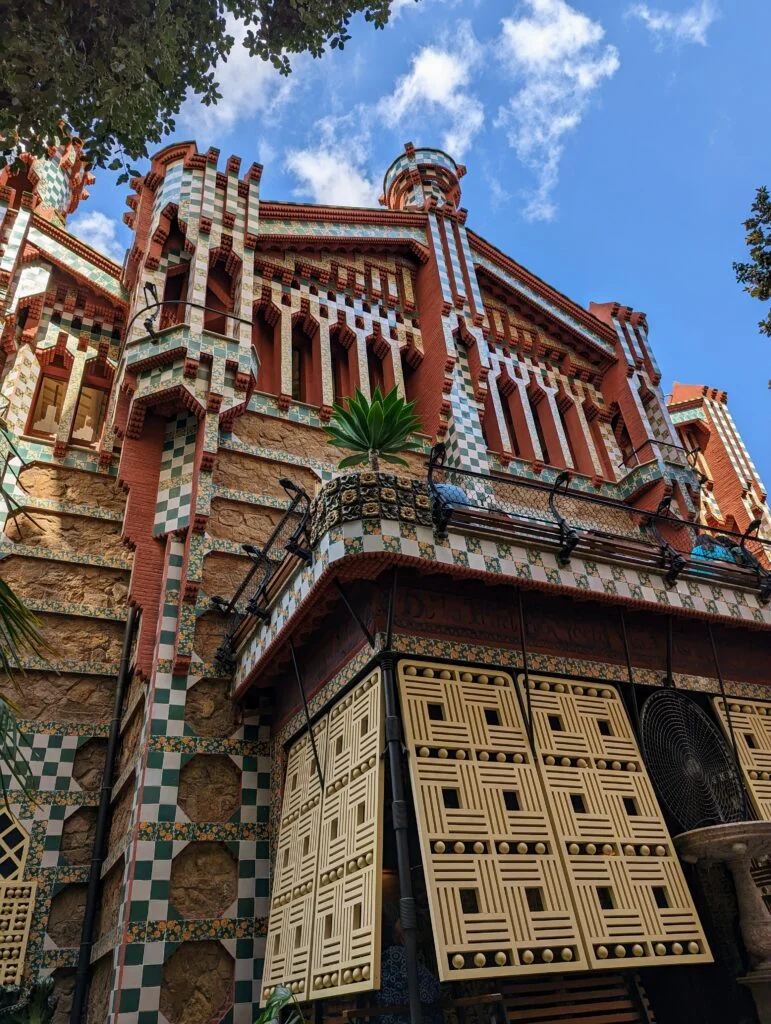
[[248, 86], [99, 231], [437, 84], [690, 26], [334, 169], [557, 54]]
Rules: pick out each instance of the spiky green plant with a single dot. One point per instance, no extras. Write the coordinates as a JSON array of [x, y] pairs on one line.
[[374, 430], [280, 997]]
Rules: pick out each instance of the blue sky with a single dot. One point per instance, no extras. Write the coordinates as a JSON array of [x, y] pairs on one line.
[[613, 148]]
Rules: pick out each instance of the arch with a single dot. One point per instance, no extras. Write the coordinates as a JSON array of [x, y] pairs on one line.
[[380, 369], [219, 299], [305, 370], [266, 341], [343, 361], [47, 406], [574, 435]]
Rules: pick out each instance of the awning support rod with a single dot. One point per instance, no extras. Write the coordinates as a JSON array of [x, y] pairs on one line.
[[301, 688]]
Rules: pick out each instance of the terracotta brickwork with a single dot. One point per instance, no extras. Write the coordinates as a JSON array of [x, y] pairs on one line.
[[733, 495], [139, 460]]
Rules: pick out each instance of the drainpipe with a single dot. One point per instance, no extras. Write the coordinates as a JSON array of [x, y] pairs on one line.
[[407, 913], [83, 973], [396, 752]]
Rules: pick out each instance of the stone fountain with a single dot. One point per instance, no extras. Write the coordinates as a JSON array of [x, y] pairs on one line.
[[736, 845]]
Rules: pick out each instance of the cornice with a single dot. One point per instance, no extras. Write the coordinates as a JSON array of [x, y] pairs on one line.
[[76, 246], [272, 210], [540, 287]]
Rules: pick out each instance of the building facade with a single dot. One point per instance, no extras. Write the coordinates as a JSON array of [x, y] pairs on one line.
[[210, 584]]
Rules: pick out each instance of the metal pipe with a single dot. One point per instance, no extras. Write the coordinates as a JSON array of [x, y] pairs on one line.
[[83, 973], [630, 674], [395, 746], [523, 647], [407, 911], [670, 676]]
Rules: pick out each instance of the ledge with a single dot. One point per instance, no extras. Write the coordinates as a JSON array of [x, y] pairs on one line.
[[352, 537]]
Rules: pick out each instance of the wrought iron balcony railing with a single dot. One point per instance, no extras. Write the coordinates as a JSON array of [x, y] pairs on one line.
[[271, 564], [567, 520]]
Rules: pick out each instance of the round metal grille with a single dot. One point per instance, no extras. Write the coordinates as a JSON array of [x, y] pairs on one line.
[[691, 766]]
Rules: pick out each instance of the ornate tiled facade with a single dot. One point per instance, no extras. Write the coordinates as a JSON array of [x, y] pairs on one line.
[[148, 445]]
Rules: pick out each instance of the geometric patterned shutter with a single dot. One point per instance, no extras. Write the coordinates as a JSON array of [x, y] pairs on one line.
[[290, 927], [324, 925], [497, 892], [17, 900], [632, 900], [751, 721], [346, 945], [563, 866]]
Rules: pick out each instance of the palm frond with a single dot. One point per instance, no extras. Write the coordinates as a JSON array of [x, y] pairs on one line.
[[19, 630]]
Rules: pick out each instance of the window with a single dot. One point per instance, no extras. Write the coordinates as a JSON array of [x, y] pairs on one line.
[[623, 440], [508, 419], [89, 415], [341, 376], [375, 370], [298, 382], [219, 300], [539, 430], [47, 411]]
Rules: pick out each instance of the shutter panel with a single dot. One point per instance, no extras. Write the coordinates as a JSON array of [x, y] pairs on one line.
[[561, 864], [497, 892], [324, 927], [632, 899], [751, 721]]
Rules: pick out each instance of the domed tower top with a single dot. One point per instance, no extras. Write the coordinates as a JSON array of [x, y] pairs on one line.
[[422, 177], [57, 181]]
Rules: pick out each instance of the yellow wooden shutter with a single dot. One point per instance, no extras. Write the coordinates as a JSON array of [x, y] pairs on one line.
[[497, 892], [631, 897], [559, 865], [324, 927], [751, 721]]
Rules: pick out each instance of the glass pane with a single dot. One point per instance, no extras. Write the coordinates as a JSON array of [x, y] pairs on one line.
[[297, 382], [89, 415], [48, 408]]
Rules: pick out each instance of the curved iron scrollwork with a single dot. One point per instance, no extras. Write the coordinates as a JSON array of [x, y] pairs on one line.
[[569, 537], [441, 507], [673, 561], [290, 538]]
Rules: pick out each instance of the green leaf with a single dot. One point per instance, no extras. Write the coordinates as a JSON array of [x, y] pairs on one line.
[[352, 460]]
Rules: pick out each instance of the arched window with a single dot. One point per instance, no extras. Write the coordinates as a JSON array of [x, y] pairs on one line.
[[219, 300], [174, 294], [534, 409], [376, 372], [305, 386], [342, 386], [91, 409], [47, 408], [623, 440], [264, 341], [508, 419]]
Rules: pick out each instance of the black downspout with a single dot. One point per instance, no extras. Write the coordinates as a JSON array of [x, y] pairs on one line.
[[407, 911], [83, 973]]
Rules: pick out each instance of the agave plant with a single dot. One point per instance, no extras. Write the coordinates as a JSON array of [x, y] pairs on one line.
[[279, 999], [374, 430]]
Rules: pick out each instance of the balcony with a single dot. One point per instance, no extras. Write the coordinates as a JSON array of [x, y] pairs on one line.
[[544, 535], [568, 521]]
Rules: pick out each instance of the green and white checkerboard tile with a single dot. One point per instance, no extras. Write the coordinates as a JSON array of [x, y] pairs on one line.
[[175, 486]]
